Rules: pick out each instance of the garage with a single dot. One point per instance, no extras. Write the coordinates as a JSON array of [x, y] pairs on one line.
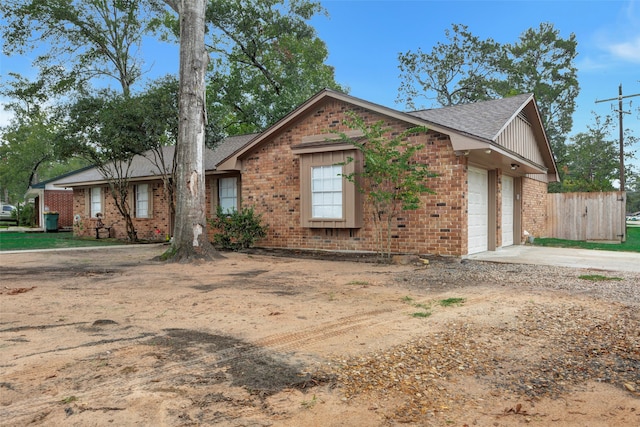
[[507, 211], [478, 211]]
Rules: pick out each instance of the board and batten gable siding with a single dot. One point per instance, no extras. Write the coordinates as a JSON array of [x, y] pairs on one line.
[[519, 138], [271, 184]]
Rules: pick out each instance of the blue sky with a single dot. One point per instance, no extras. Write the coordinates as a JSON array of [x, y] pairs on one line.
[[364, 38]]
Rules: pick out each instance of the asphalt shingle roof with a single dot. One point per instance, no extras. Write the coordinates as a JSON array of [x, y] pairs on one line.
[[484, 119], [142, 167]]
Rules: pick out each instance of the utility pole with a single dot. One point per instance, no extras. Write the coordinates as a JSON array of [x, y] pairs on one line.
[[620, 112]]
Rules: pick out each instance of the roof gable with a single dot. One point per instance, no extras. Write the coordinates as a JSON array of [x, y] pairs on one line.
[[231, 162], [484, 119], [489, 120], [469, 126]]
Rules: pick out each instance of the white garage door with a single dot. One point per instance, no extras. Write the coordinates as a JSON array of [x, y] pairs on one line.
[[507, 211], [478, 210]]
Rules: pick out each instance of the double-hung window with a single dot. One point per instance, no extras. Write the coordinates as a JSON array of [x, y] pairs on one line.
[[95, 201], [327, 198], [142, 201], [228, 194], [326, 192]]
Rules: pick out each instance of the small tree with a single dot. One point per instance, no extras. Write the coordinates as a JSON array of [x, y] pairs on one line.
[[108, 131], [391, 177]]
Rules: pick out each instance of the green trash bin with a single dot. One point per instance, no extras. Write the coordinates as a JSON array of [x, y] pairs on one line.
[[51, 221]]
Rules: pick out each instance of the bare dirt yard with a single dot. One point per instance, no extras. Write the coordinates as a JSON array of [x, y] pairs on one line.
[[111, 337]]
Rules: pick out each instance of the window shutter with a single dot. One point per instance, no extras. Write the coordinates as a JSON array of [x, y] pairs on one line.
[[150, 200], [87, 202], [103, 206], [214, 196]]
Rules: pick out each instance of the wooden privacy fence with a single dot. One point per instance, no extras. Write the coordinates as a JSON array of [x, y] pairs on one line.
[[587, 216]]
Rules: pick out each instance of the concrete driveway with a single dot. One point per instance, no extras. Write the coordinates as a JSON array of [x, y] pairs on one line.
[[578, 258]]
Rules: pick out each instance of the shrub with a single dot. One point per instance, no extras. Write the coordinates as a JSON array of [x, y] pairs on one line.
[[237, 230], [27, 215]]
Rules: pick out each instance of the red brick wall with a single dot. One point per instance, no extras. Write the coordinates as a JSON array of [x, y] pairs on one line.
[[154, 228], [60, 201], [270, 183], [534, 207]]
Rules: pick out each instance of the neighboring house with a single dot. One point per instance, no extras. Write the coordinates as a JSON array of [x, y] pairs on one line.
[[492, 159], [49, 197]]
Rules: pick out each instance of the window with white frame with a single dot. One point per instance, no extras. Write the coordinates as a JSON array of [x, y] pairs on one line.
[[228, 194], [96, 201], [326, 191], [327, 198], [142, 200]]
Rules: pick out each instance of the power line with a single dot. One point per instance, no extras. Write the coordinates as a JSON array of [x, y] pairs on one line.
[[621, 113]]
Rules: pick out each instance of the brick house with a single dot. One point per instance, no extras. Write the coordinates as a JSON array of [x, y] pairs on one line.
[[48, 196], [492, 159]]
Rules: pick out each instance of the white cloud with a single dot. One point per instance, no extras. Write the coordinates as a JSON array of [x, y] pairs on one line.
[[591, 64], [627, 51], [616, 40]]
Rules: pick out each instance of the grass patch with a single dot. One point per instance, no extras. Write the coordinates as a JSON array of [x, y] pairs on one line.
[[448, 302], [451, 302], [425, 307], [421, 314], [308, 404], [631, 245], [358, 283], [598, 278], [15, 241]]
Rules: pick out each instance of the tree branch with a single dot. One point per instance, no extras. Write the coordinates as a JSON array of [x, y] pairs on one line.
[[176, 5]]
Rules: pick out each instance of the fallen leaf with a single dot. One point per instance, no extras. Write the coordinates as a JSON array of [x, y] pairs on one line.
[[16, 291]]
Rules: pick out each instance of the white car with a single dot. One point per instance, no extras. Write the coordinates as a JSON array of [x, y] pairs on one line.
[[6, 214]]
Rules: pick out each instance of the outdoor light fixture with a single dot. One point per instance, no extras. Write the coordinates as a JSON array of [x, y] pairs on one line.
[[514, 166], [488, 151]]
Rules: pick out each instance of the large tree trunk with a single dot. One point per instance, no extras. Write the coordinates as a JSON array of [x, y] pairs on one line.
[[190, 240]]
